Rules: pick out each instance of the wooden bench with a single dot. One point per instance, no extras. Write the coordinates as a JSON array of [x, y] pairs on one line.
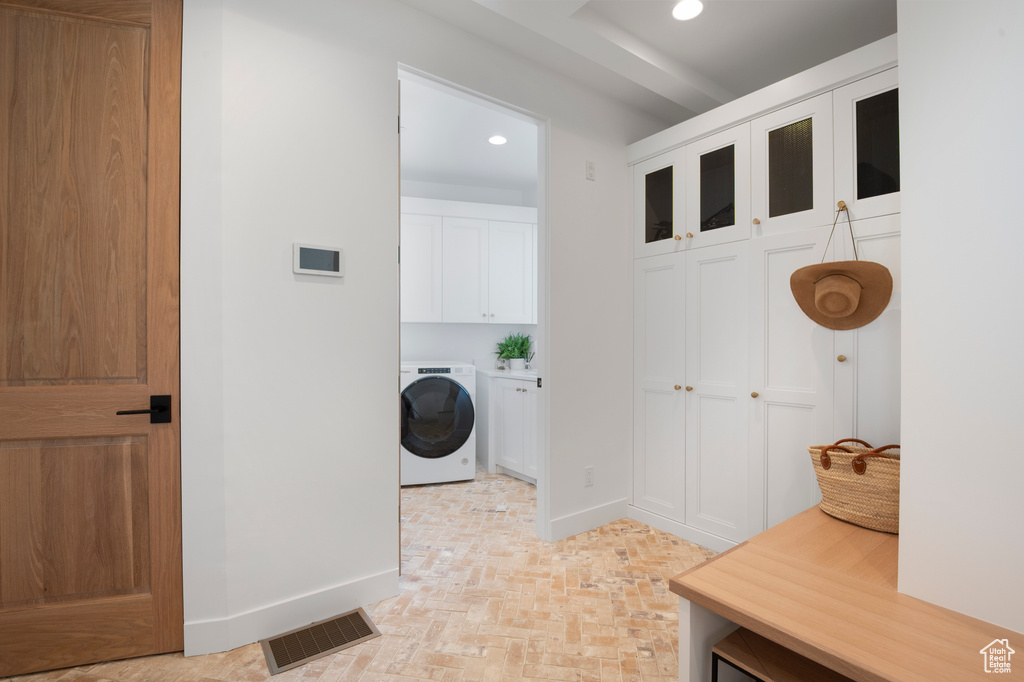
[[826, 590]]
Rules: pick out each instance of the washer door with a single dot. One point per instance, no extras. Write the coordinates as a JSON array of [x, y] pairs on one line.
[[437, 417]]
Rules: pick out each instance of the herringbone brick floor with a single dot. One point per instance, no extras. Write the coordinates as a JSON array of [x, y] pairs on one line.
[[482, 599]]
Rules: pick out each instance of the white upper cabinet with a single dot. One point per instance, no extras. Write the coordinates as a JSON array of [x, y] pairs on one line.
[[791, 167], [421, 268], [659, 191], [468, 263], [718, 172], [867, 144], [511, 274], [465, 279]]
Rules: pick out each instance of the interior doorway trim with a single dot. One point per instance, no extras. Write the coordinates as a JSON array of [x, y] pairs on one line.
[[405, 72]]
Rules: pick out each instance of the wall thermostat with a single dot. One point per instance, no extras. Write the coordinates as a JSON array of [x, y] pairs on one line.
[[309, 259]]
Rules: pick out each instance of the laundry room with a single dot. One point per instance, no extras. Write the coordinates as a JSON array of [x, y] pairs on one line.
[[469, 285]]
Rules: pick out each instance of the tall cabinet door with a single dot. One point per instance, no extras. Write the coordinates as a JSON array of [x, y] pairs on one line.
[[464, 282], [421, 268], [868, 380], [791, 167], [510, 273], [659, 416], [718, 168], [791, 369], [718, 484], [659, 195]]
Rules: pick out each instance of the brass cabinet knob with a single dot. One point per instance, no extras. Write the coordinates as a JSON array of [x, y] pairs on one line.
[[841, 358], [757, 221], [677, 387], [841, 205], [753, 394], [678, 237], [689, 235], [689, 388]]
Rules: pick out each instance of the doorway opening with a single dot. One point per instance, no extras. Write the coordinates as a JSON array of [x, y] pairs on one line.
[[473, 255]]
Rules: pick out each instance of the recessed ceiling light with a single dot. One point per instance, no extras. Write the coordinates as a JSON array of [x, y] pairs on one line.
[[497, 139], [687, 9]]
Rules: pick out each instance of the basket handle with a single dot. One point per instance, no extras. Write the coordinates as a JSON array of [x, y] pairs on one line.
[[860, 466], [855, 440], [826, 461]]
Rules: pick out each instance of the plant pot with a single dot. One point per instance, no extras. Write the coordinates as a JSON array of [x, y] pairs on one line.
[[518, 363]]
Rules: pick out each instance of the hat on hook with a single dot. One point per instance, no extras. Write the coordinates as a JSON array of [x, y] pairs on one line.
[[843, 295]]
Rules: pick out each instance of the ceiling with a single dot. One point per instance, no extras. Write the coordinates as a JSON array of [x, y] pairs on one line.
[[633, 51]]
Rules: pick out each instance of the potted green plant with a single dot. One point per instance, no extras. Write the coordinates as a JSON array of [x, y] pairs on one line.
[[514, 348]]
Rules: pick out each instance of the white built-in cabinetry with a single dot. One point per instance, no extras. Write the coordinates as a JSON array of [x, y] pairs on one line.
[[463, 262], [507, 423], [732, 381]]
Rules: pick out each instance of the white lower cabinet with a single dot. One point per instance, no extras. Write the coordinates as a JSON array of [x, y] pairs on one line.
[[507, 425], [732, 381]]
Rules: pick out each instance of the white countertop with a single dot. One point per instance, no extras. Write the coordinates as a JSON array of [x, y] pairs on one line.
[[521, 374]]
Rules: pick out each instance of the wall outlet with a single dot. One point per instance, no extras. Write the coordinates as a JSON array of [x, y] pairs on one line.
[[591, 173], [588, 477]]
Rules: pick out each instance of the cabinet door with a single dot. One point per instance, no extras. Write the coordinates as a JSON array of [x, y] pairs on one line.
[[718, 486], [464, 279], [536, 277], [511, 414], [659, 417], [792, 363], [530, 429], [658, 197], [510, 273], [791, 167], [718, 169], [421, 268], [868, 382], [867, 145]]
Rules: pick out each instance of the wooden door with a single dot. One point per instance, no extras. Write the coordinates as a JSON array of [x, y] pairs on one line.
[[659, 371], [721, 495], [90, 502]]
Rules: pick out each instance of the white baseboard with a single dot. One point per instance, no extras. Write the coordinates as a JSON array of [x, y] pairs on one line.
[[224, 634], [588, 519], [688, 533]]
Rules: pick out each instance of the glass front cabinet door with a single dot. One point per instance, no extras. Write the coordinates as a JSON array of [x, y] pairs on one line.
[[791, 167], [658, 200], [718, 172], [867, 120]]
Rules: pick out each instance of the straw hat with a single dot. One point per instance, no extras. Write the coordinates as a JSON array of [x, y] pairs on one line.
[[842, 295]]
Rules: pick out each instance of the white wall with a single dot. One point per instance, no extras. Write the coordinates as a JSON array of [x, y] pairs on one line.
[[962, 142], [462, 342], [289, 419]]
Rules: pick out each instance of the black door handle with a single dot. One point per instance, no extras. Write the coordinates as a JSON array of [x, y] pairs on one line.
[[159, 409]]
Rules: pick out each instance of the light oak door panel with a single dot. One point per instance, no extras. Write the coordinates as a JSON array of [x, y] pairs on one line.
[[659, 418], [792, 370], [718, 483], [90, 503]]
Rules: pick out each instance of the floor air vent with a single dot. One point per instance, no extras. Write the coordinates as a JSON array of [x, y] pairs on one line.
[[301, 646]]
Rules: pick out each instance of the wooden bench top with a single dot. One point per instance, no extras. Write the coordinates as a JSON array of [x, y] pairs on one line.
[[826, 589]]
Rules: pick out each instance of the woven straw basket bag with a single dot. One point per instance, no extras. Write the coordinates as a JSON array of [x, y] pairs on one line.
[[859, 484]]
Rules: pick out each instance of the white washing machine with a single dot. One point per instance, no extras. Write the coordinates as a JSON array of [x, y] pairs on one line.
[[438, 422]]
